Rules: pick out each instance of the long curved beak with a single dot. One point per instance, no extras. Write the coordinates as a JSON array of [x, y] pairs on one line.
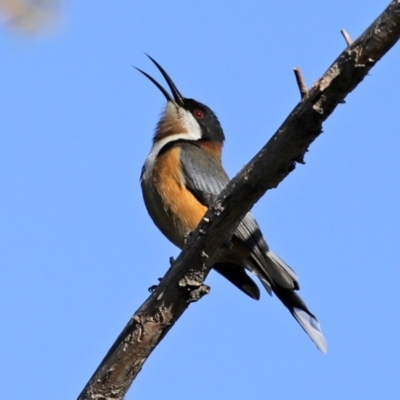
[[178, 98]]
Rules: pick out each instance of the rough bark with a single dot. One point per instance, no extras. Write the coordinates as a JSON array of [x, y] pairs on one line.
[[183, 282]]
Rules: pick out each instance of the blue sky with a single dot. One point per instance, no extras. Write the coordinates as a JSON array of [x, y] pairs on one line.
[[78, 250]]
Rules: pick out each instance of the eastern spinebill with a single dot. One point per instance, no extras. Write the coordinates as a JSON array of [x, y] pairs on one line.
[[180, 179]]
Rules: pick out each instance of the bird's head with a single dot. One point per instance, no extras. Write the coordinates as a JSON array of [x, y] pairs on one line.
[[183, 118]]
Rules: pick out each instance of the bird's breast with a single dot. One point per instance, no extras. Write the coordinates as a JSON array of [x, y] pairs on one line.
[[173, 208]]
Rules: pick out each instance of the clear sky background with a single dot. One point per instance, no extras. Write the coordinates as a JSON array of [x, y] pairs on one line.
[[78, 250]]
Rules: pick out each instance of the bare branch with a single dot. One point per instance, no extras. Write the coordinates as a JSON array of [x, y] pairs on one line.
[[265, 171], [347, 37], [300, 82]]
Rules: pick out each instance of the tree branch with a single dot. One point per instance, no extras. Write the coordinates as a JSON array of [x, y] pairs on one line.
[[347, 37], [183, 282], [300, 82]]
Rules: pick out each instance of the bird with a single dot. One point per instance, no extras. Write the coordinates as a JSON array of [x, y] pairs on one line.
[[181, 177]]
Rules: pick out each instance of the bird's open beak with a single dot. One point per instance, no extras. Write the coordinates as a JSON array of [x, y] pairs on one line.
[[178, 98]]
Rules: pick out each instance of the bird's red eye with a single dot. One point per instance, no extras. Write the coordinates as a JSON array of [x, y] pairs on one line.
[[198, 114]]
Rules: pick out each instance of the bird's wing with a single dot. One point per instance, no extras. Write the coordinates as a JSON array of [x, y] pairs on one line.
[[203, 174], [205, 178]]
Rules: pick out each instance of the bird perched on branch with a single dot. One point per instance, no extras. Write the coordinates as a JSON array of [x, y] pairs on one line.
[[180, 179]]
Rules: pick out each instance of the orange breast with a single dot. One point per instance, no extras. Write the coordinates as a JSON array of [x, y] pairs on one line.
[[173, 208]]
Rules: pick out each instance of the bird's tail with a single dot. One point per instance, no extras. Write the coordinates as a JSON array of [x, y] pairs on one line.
[[284, 284], [303, 316]]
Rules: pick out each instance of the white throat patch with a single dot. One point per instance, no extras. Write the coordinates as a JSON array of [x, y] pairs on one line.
[[190, 130]]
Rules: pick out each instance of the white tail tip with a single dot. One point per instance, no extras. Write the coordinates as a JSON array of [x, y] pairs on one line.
[[312, 328]]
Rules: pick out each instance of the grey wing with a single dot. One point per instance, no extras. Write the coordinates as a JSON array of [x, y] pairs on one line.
[[203, 175], [206, 178]]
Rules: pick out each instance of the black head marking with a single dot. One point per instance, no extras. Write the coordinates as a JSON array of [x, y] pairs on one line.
[[210, 126]]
